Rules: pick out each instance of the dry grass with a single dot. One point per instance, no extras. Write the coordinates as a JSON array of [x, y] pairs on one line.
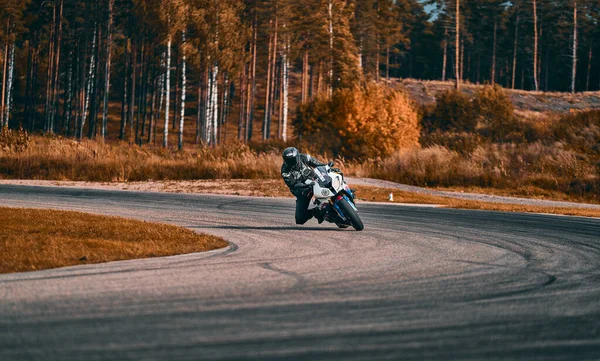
[[34, 239], [551, 169], [66, 159]]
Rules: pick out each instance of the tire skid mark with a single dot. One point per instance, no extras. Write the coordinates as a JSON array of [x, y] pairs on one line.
[[300, 281]]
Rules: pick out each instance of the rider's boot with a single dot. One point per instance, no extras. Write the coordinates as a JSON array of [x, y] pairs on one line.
[[318, 215]]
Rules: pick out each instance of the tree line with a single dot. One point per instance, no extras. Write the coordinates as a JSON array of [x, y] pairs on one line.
[[76, 67]]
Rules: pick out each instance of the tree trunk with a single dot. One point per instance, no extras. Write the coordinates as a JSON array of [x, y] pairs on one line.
[[153, 103], [377, 62], [535, 46], [213, 107], [227, 91], [280, 110], [493, 76], [457, 50], [9, 91], [444, 59], [94, 88], [50, 72], [253, 90], [160, 98], [199, 111], [176, 92], [124, 101], [89, 86], [574, 70], [133, 88], [5, 65], [242, 102], [514, 64], [167, 94], [304, 76], [68, 107], [589, 69], [55, 82], [81, 87], [268, 89], [203, 104], [273, 67], [284, 114], [539, 67], [387, 64], [107, 67], [28, 82], [147, 83], [462, 59], [183, 81], [141, 103]]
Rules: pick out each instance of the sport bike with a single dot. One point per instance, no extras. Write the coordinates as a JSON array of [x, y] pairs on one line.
[[334, 198]]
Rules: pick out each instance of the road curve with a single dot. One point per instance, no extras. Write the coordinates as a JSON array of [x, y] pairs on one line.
[[418, 284]]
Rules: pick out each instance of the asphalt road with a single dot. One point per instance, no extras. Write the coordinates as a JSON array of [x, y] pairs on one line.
[[418, 284]]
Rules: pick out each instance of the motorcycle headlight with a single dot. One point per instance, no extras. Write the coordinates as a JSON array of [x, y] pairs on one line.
[[336, 183]]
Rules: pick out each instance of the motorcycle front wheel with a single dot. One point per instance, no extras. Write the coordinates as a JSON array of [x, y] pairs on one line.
[[351, 214]]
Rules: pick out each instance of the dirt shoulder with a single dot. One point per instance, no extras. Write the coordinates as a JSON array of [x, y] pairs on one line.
[[369, 190]]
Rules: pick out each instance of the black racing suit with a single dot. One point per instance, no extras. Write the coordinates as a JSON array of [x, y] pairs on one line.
[[297, 176]]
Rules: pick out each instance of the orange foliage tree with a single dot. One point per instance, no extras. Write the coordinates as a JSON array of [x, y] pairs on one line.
[[359, 122]]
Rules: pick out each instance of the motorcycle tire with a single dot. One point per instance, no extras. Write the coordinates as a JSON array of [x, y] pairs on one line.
[[349, 212]]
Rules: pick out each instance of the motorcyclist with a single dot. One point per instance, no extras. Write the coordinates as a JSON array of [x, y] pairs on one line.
[[295, 171]]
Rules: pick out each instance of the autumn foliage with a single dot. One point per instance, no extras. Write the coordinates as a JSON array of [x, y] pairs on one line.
[[358, 123]]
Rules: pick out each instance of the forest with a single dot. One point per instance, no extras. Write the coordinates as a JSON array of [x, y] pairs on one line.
[[139, 70]]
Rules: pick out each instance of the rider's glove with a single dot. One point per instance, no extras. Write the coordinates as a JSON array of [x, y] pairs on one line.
[[307, 192]]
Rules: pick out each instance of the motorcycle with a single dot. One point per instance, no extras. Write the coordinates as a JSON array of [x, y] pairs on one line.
[[334, 198]]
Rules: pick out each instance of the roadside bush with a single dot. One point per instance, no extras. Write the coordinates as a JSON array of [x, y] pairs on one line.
[[495, 115], [493, 107], [360, 122], [13, 140], [580, 130], [453, 111]]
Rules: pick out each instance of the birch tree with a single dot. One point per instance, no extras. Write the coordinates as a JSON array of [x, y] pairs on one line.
[[183, 83]]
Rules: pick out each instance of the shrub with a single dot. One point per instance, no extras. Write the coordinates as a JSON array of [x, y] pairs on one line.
[[453, 111], [355, 123], [493, 107], [13, 140], [581, 130], [495, 114]]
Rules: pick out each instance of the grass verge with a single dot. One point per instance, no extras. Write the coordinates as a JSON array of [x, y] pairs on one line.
[[33, 239]]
